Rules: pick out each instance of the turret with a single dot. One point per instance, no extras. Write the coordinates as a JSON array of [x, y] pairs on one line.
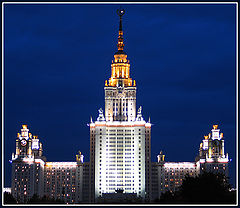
[[27, 146], [212, 146], [79, 158], [161, 158]]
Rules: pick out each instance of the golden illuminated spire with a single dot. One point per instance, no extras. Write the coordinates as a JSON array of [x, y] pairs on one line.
[[120, 65], [120, 44]]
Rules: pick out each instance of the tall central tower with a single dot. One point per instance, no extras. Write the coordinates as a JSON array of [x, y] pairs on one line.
[[120, 140], [120, 89]]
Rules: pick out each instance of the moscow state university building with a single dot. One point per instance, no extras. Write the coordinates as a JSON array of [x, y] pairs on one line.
[[120, 153]]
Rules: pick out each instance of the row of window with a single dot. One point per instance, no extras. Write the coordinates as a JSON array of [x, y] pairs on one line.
[[120, 130], [114, 141]]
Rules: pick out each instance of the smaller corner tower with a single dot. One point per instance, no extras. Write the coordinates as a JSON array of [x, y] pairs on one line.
[[27, 166], [212, 157]]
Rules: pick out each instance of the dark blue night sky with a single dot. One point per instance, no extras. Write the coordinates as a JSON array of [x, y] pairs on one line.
[[57, 58]]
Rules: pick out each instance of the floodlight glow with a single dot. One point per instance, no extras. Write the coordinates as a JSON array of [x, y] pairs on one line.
[[180, 165]]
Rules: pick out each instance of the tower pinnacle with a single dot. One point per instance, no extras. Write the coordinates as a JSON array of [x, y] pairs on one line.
[[120, 44], [120, 66]]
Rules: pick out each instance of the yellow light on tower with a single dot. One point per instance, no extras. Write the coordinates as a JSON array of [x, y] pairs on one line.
[[48, 164], [205, 137], [210, 152], [215, 127], [24, 126]]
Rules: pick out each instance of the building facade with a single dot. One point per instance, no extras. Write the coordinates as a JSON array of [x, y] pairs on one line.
[[27, 166], [120, 153], [212, 157], [31, 174], [168, 176]]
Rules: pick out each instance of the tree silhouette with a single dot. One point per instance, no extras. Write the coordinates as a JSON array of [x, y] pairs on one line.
[[9, 199], [206, 188], [44, 200], [167, 197]]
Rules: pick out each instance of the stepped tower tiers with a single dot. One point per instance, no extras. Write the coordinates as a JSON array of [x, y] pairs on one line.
[[120, 89], [212, 157], [27, 166], [120, 140], [27, 145]]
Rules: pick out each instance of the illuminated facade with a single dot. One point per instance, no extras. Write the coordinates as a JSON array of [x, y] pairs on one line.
[[64, 180], [168, 176], [72, 181], [120, 139], [212, 157], [31, 174], [120, 153], [27, 166]]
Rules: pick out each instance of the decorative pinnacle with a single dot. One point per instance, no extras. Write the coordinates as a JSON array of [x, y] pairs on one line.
[[120, 13], [120, 44]]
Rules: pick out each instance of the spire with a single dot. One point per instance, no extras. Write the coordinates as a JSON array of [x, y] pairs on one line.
[[120, 67], [120, 44]]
